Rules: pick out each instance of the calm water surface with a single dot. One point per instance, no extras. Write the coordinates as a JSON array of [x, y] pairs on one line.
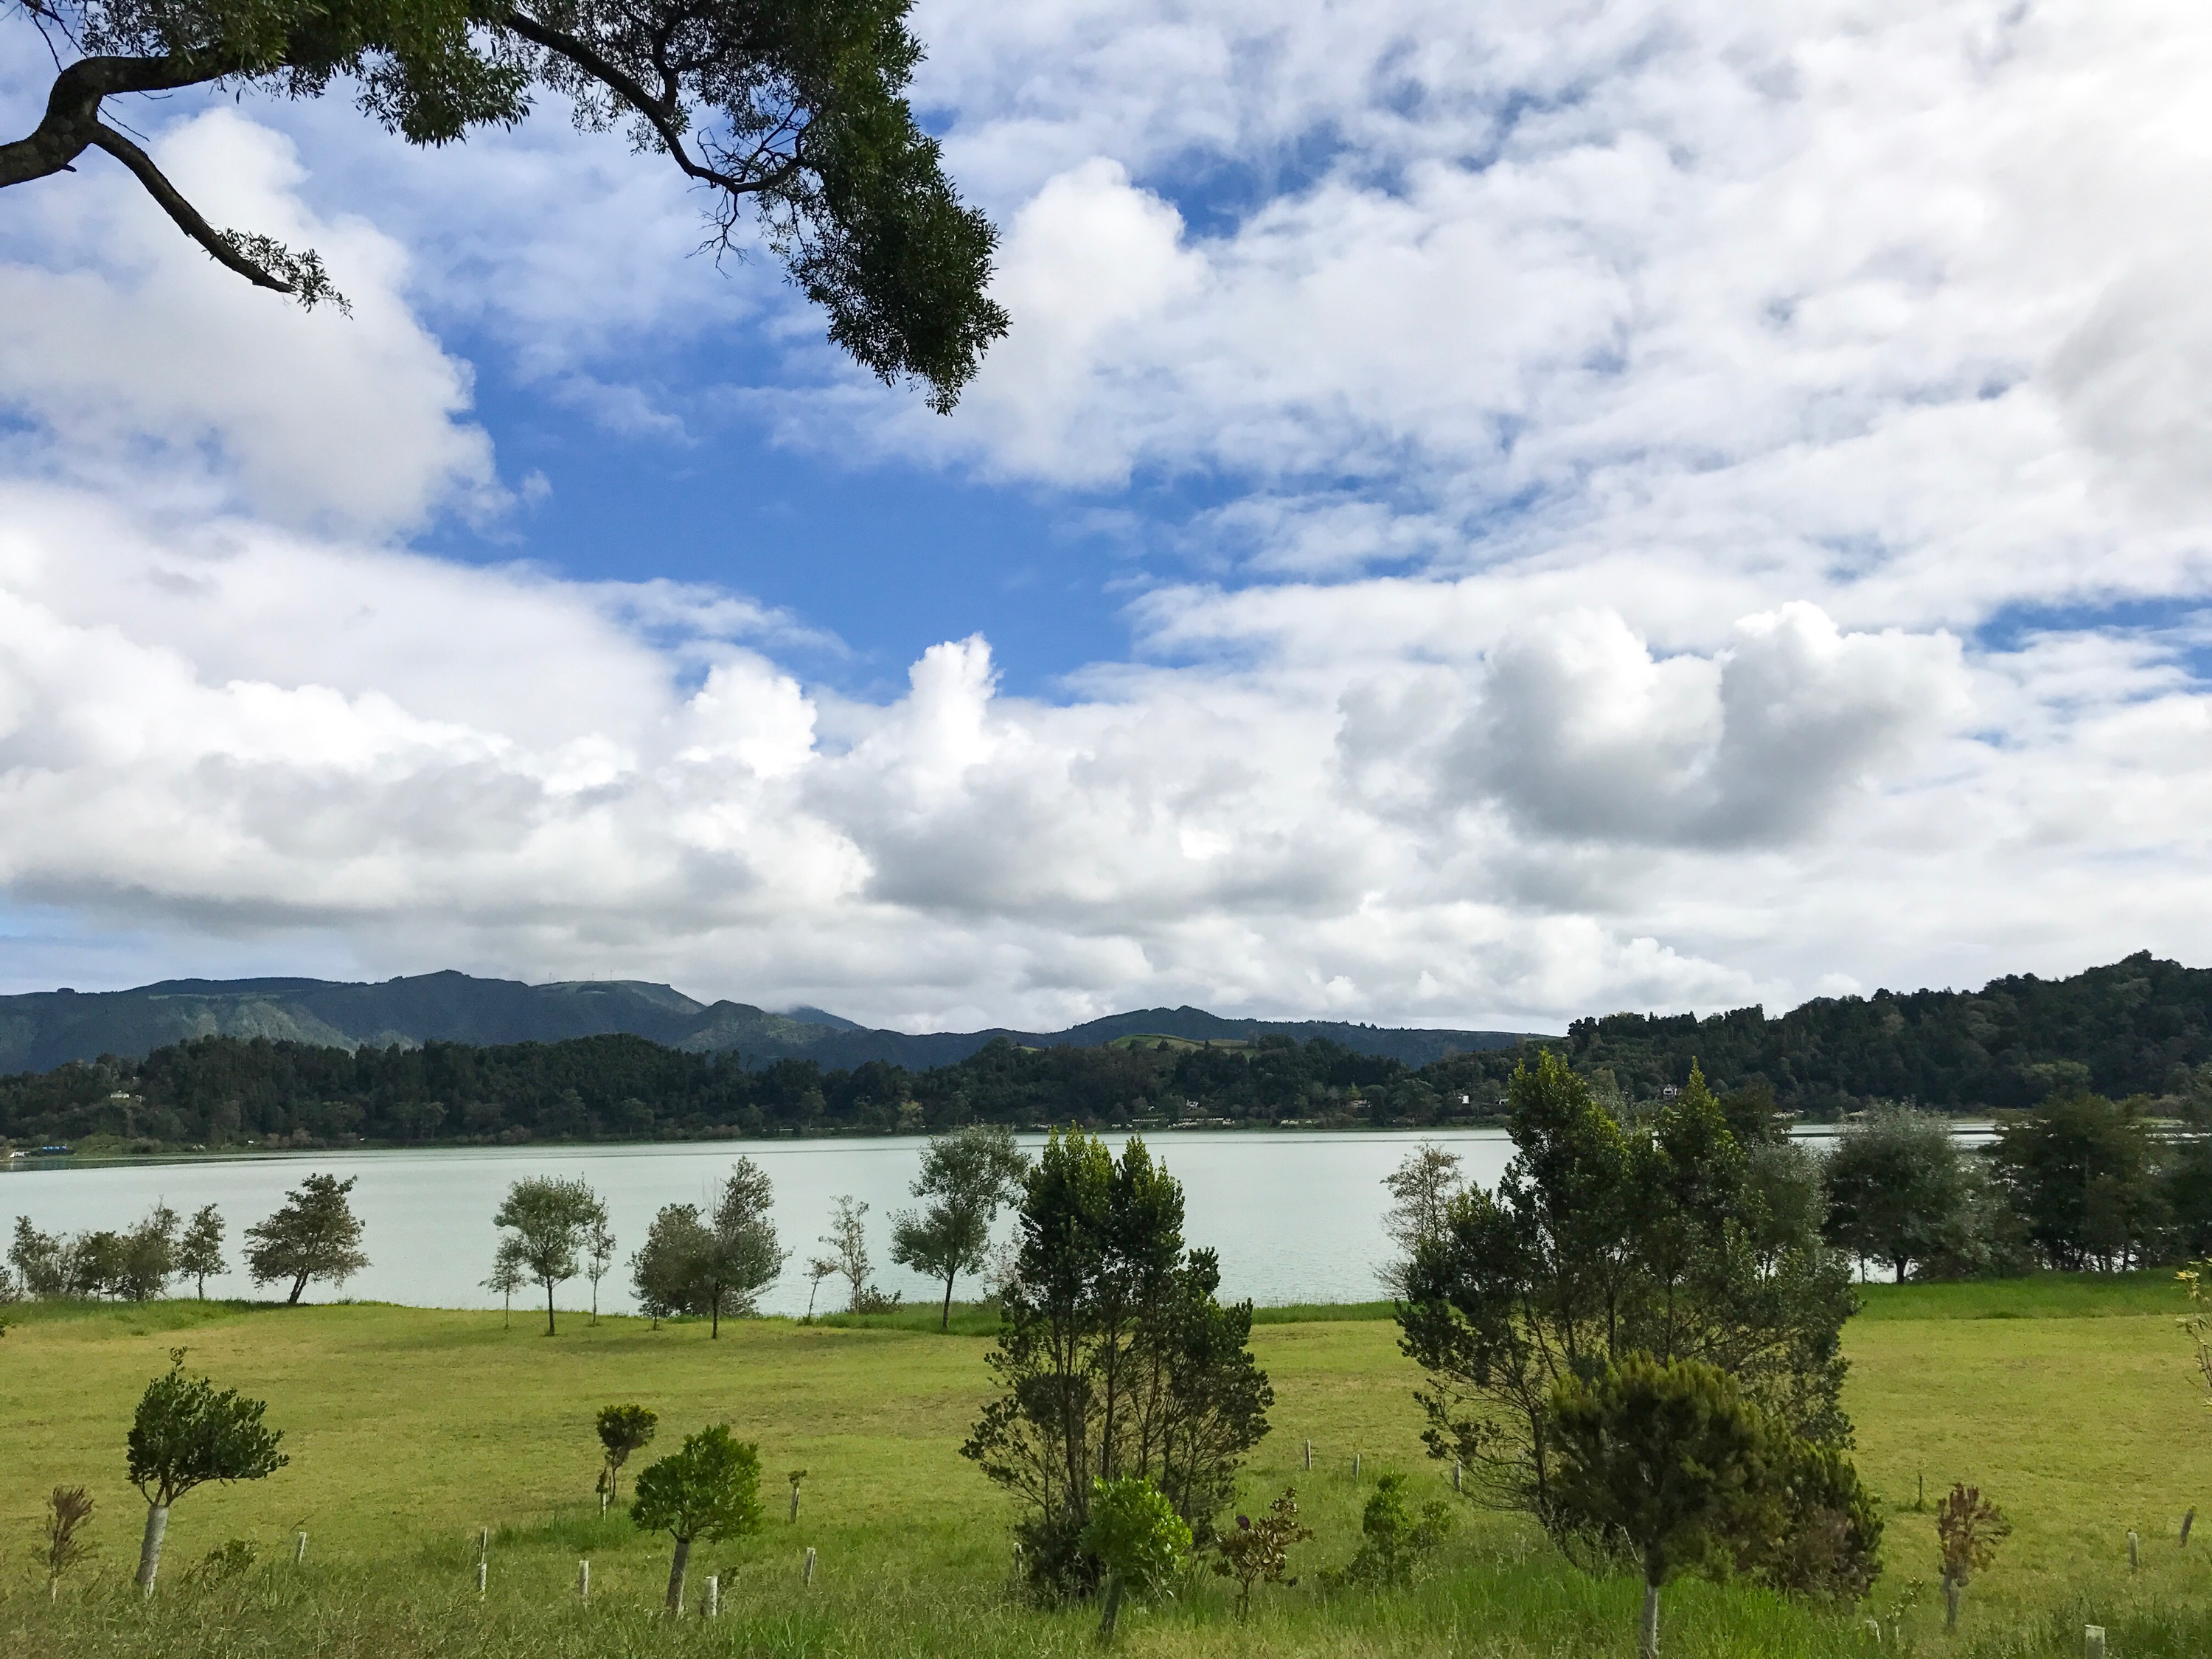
[[1296, 1218]]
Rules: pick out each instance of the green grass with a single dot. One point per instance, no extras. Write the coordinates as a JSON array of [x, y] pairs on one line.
[[411, 1429]]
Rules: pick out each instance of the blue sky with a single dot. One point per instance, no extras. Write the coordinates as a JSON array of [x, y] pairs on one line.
[[1482, 517]]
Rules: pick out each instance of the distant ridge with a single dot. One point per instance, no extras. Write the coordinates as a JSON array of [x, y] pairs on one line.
[[41, 1030]]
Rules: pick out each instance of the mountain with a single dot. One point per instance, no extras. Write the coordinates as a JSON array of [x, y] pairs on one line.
[[42, 1030]]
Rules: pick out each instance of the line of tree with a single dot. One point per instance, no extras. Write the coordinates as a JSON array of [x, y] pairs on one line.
[[233, 1091]]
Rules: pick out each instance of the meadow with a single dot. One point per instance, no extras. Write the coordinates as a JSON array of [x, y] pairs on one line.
[[2073, 1402]]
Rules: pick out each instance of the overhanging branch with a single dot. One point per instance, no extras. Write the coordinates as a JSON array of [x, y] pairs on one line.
[[187, 217]]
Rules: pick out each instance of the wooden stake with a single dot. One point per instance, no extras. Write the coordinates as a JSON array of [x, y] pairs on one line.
[[714, 1597], [483, 1571], [2135, 1552], [583, 1581], [299, 1549], [1355, 1466], [1308, 1456], [806, 1573], [1455, 1485], [483, 1545], [2093, 1642]]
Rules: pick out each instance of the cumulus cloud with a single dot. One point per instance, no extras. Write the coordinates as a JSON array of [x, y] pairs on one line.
[[147, 356], [1647, 457]]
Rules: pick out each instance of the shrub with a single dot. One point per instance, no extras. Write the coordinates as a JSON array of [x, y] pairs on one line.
[[1259, 1552], [1393, 1540], [1136, 1537]]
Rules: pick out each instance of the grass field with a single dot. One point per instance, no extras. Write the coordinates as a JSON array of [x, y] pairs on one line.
[[2072, 1402]]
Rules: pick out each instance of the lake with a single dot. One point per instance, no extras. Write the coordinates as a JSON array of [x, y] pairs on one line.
[[1296, 1218]]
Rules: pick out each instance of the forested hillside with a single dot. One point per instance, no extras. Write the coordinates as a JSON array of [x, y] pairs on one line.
[[231, 1090], [2138, 1027]]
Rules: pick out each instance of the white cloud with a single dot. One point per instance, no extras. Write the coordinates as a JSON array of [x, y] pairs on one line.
[[149, 356], [1632, 434]]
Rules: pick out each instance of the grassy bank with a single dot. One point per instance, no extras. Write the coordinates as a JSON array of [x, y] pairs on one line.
[[410, 1429]]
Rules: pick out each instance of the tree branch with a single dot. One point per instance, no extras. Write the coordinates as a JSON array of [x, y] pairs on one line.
[[632, 91], [187, 217], [72, 119]]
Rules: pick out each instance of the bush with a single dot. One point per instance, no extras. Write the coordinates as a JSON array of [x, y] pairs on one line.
[[1138, 1539], [1809, 1527], [1393, 1540]]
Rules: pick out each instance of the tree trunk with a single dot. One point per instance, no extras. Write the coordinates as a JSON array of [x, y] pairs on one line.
[[149, 1552], [549, 1306], [676, 1577], [714, 1315], [1113, 1608], [298, 1286], [1899, 1265], [946, 1323], [1647, 1630], [1951, 1588]]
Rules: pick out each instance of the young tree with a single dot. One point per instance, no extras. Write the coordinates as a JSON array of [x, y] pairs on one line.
[[41, 1260], [710, 1490], [847, 1239], [185, 1434], [1603, 1240], [1421, 1188], [1659, 1456], [713, 1264], [145, 1259], [2082, 1172], [1968, 1529], [1393, 1540], [1116, 1359], [1254, 1553], [793, 117], [199, 1254], [818, 1267], [549, 1222], [509, 1274], [623, 1431], [598, 1258], [969, 1174], [315, 1234], [1137, 1538], [68, 1512], [1897, 1190]]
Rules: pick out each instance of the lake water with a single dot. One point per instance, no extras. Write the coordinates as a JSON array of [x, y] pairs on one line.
[[1296, 1218]]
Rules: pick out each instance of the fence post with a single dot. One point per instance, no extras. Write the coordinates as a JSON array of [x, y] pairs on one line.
[[583, 1581], [300, 1549], [2135, 1552], [484, 1574], [1309, 1459], [1456, 1474], [2093, 1642], [1355, 1466], [714, 1597], [484, 1545]]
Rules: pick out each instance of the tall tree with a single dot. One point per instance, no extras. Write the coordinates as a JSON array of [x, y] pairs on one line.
[[968, 1175], [1603, 1240], [790, 117], [549, 1219], [598, 1257], [1899, 1190], [2082, 1174], [848, 1242], [713, 1263], [187, 1433], [1115, 1358], [315, 1234], [1421, 1190], [199, 1254]]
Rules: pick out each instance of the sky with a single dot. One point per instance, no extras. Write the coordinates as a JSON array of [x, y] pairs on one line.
[[1485, 515]]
